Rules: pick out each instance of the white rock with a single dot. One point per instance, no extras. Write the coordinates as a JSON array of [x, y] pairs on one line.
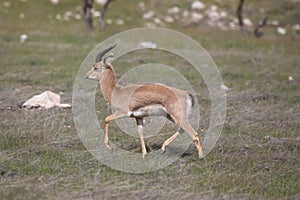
[[78, 16], [169, 19], [58, 17], [120, 22], [223, 14], [290, 78], [213, 15], [6, 4], [54, 2], [147, 44], [23, 38], [213, 8], [148, 15], [22, 15], [247, 22], [281, 31], [174, 10], [67, 15], [157, 20], [196, 17], [232, 25], [95, 13], [109, 21], [198, 5], [185, 13], [101, 2], [142, 5]]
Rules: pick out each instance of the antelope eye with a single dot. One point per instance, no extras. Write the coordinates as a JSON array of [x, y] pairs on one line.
[[95, 68]]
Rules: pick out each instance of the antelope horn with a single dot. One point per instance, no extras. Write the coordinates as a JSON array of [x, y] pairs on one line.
[[101, 54]]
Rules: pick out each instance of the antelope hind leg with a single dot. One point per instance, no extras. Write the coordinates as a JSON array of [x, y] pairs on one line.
[[169, 140], [139, 122]]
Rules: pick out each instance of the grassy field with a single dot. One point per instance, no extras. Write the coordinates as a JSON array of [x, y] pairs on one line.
[[42, 157]]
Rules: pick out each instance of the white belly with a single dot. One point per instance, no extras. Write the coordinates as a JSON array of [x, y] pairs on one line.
[[151, 110]]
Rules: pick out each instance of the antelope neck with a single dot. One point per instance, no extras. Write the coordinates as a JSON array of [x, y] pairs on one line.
[[108, 84]]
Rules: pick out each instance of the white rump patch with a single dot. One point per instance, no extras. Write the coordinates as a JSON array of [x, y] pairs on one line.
[[151, 110]]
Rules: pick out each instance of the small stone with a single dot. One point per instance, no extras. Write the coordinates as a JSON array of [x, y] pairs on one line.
[[96, 13], [109, 21], [120, 22], [23, 38], [169, 19], [147, 44], [213, 8], [281, 30], [196, 17], [198, 5], [223, 14], [185, 13], [101, 2], [54, 2], [148, 15], [22, 15], [142, 5], [6, 4], [247, 22], [213, 15], [157, 21], [232, 25], [58, 17], [78, 16], [174, 10]]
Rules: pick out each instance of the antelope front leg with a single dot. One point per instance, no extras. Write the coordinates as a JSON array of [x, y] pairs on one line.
[[194, 135], [198, 145], [106, 135], [139, 122], [109, 118]]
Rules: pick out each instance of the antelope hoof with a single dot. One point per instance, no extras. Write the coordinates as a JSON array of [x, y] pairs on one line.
[[144, 155], [108, 146], [201, 155], [163, 148]]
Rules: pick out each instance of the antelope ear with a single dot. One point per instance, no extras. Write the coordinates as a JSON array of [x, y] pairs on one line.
[[109, 58]]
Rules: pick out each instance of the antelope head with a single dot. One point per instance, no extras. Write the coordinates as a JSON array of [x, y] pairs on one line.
[[102, 63]]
